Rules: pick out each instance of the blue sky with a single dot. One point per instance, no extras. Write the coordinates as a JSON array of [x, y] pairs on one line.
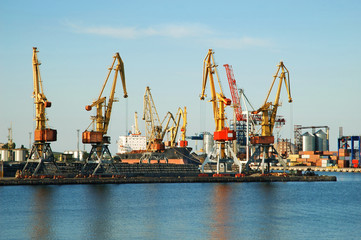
[[163, 44]]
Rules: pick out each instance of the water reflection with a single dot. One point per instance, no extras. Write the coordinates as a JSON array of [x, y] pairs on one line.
[[99, 207], [42, 206], [151, 213], [220, 228], [268, 211]]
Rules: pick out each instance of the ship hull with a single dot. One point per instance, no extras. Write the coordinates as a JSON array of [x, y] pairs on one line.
[[176, 155]]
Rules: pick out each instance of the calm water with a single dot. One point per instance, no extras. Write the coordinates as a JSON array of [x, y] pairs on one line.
[[317, 210]]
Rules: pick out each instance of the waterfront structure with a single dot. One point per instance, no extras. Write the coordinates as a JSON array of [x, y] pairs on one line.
[[132, 142]]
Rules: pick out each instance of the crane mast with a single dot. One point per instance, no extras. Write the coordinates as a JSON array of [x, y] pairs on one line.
[[103, 111], [183, 113], [41, 134], [264, 143], [234, 92], [41, 155], [219, 101], [174, 129], [97, 137], [153, 126], [269, 109], [222, 135], [40, 99]]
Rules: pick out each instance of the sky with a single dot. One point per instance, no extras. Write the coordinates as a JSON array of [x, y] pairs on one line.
[[163, 45]]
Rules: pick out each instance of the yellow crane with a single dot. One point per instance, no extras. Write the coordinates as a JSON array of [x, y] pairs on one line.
[[41, 151], [153, 126], [103, 112], [222, 134], [97, 136], [42, 133], [264, 143], [219, 101], [174, 129], [269, 109]]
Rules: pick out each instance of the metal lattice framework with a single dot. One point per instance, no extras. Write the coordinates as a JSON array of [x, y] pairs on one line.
[[153, 126], [234, 92]]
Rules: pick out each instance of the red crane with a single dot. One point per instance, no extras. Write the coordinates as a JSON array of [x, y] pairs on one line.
[[237, 103], [234, 92]]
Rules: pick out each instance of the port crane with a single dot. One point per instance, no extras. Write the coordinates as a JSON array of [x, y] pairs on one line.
[[181, 114], [269, 114], [41, 158], [222, 134], [100, 153], [244, 122], [234, 93], [153, 126], [154, 129]]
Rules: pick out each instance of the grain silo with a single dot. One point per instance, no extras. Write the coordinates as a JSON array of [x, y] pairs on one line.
[[308, 142]]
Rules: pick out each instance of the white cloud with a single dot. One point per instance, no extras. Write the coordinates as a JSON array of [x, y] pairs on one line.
[[198, 32], [171, 30]]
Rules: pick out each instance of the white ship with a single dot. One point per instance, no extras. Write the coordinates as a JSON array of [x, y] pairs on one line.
[[134, 142]]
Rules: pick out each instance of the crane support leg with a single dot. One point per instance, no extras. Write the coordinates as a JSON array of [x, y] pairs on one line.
[[235, 159], [99, 162], [215, 156], [41, 161], [264, 159]]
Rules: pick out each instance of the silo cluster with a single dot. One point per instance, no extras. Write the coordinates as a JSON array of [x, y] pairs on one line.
[[315, 142]]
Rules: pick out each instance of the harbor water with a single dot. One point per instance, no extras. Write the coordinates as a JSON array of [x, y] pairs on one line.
[[279, 210]]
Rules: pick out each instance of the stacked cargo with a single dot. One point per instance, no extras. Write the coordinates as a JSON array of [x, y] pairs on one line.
[[292, 159], [344, 158], [323, 159]]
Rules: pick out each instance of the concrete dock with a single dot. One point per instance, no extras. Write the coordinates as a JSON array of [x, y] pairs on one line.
[[124, 180], [318, 169]]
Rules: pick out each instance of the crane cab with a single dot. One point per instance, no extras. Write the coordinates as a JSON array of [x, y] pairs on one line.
[[92, 137], [45, 135]]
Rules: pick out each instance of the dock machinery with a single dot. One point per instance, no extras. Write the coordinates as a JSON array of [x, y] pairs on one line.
[[41, 158], [264, 142], [222, 151], [181, 114], [155, 129], [100, 156]]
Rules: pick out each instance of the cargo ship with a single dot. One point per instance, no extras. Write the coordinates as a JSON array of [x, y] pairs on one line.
[[132, 150]]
